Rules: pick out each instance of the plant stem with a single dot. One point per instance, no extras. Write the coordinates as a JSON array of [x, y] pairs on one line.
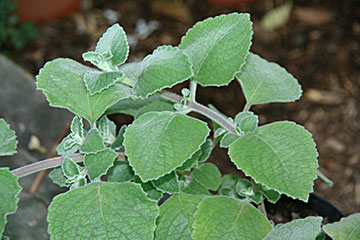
[[262, 208], [193, 86], [207, 112]]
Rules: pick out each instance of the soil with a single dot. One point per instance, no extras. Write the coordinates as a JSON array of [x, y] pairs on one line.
[[319, 45]]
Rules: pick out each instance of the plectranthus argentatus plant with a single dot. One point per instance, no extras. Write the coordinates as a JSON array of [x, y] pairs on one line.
[[116, 179]]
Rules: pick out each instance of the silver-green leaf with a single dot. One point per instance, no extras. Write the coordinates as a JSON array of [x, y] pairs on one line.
[[97, 81], [280, 155], [8, 140], [157, 143], [218, 48], [221, 217], [103, 211], [347, 228], [265, 82], [99, 163], [208, 175]]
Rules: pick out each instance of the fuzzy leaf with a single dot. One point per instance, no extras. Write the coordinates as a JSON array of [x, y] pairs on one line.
[[265, 82], [69, 167], [168, 183], [208, 175], [96, 81], [107, 129], [157, 143], [8, 140], [165, 67], [120, 172], [176, 217], [218, 48], [231, 218], [93, 142], [228, 139], [9, 189], [57, 176], [151, 191], [61, 80], [99, 163], [156, 106], [347, 228], [195, 188], [114, 40], [103, 211], [280, 155], [300, 229], [118, 143], [77, 127]]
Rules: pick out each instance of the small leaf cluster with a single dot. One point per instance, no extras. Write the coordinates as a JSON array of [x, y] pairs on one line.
[[152, 179]]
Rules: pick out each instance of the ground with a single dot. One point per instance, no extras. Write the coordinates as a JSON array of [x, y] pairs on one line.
[[319, 45]]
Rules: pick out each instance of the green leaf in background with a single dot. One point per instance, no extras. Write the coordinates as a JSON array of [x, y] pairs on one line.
[[120, 172], [97, 81], [347, 228], [8, 140], [57, 176], [61, 80], [118, 143], [195, 188], [218, 48], [277, 17], [228, 139], [265, 82], [69, 168], [168, 183], [300, 229], [208, 175], [206, 149], [156, 106], [99, 163], [270, 194], [165, 67], [93, 142], [280, 155], [9, 189], [176, 217], [190, 163], [231, 218], [114, 40], [149, 189], [103, 211], [157, 143]]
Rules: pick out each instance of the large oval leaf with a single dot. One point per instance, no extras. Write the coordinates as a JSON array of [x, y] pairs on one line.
[[265, 82], [61, 80], [103, 211], [176, 217], [9, 189], [157, 143], [221, 217], [218, 47], [280, 155], [347, 228]]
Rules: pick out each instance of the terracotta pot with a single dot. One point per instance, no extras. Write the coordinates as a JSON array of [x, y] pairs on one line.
[[45, 11], [229, 3]]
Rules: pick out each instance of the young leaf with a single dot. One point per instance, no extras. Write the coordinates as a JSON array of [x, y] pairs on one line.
[[8, 140], [228, 139], [249, 124], [107, 129], [114, 40], [57, 176], [232, 219], [218, 48], [208, 175], [206, 149], [120, 172], [175, 219], [99, 163], [118, 143], [69, 145], [69, 168], [280, 155], [300, 229], [271, 195], [93, 142], [168, 183], [103, 211], [347, 228], [97, 81], [195, 188], [157, 143], [265, 82], [165, 67], [9, 189], [77, 128], [61, 80]]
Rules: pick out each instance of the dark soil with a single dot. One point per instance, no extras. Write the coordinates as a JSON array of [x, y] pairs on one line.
[[319, 45]]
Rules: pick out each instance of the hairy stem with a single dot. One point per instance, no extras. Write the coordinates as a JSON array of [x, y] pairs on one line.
[[193, 86], [207, 112]]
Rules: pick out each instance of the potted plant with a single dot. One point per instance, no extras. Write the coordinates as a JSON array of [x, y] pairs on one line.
[[117, 178]]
